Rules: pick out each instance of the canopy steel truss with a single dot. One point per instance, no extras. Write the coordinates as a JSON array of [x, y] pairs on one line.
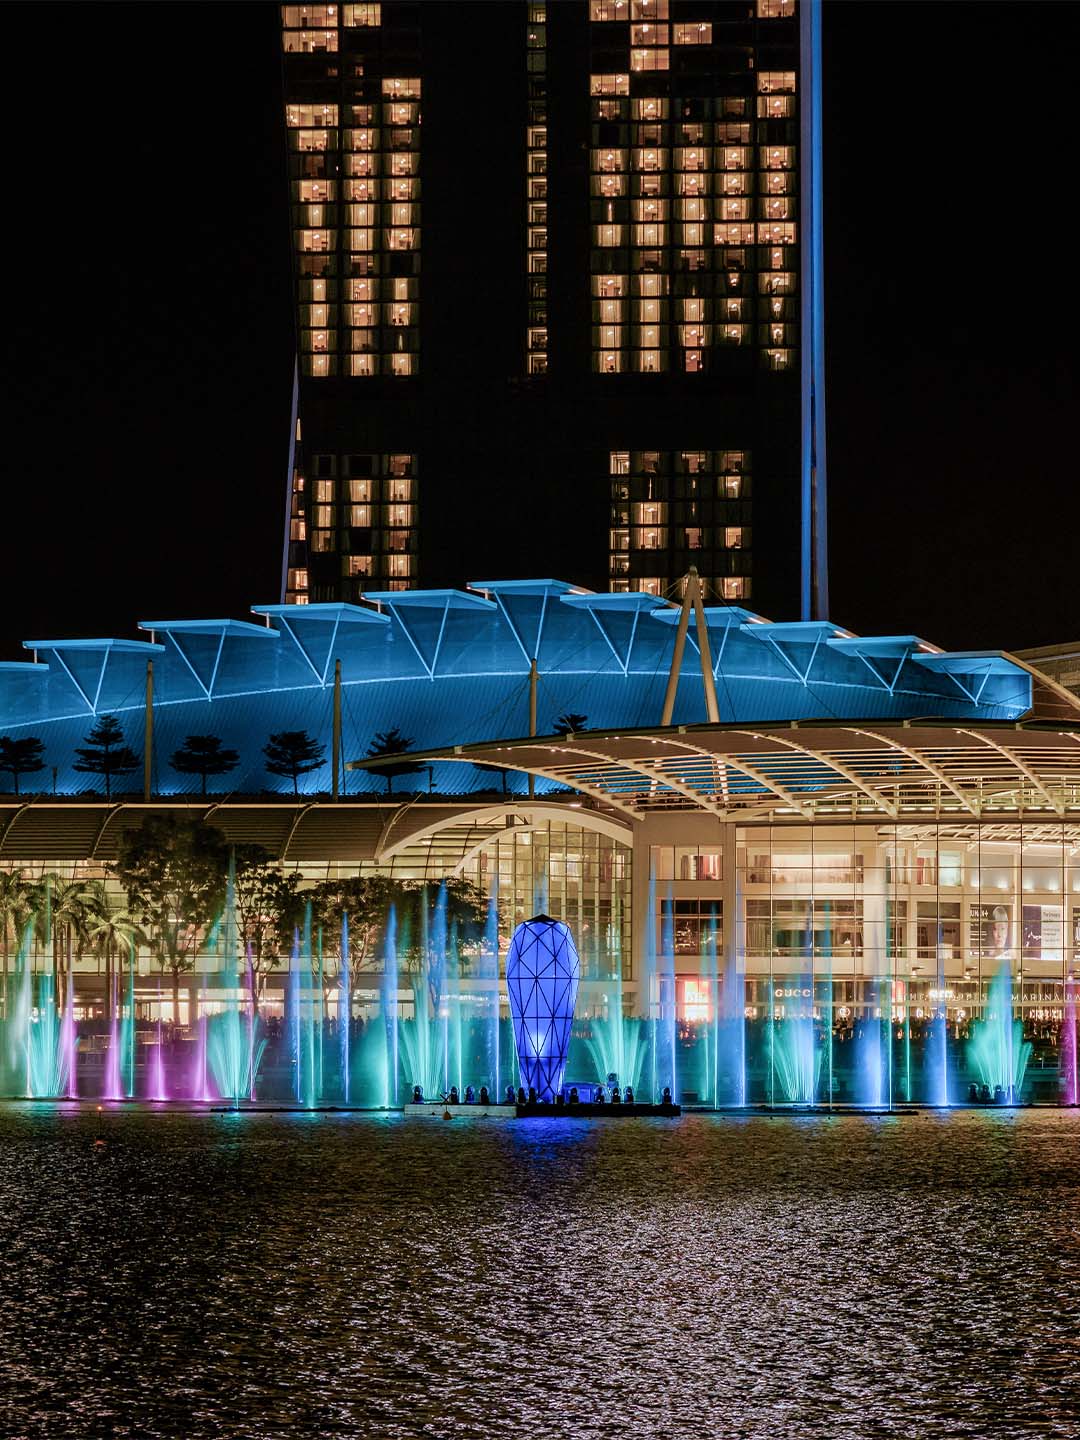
[[931, 768]]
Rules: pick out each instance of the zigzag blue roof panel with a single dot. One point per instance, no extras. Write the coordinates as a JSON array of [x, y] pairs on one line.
[[452, 667]]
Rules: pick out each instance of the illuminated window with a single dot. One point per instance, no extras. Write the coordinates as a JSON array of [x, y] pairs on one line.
[[775, 9], [699, 33], [309, 29], [776, 107], [309, 42], [777, 157], [303, 17], [306, 116], [361, 16], [401, 89], [772, 82], [650, 34], [601, 11], [650, 59], [609, 85]]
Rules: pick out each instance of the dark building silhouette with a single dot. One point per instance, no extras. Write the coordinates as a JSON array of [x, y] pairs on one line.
[[552, 296]]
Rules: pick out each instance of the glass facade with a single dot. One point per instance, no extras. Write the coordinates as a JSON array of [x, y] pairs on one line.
[[929, 964], [572, 874]]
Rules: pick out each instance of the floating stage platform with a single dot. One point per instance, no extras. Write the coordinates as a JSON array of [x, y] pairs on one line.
[[437, 1110]]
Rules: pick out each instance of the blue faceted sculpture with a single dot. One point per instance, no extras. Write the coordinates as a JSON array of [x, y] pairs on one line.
[[542, 973]]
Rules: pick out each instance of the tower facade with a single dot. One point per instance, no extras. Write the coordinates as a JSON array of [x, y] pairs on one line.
[[550, 287]]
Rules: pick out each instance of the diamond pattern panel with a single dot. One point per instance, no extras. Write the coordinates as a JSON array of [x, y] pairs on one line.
[[542, 973]]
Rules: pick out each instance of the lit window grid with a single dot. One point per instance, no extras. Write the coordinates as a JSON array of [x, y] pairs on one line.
[[345, 508], [362, 209], [536, 333], [678, 503], [315, 29], [692, 198], [296, 575]]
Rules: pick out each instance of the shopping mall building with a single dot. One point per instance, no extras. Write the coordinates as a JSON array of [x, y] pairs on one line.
[[784, 822]]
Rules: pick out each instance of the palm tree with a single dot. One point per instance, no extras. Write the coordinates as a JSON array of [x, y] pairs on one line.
[[15, 901], [114, 932], [69, 910]]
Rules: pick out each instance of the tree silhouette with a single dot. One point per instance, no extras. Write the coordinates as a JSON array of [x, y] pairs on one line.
[[268, 907], [105, 753], [293, 753], [203, 755], [571, 723], [392, 742], [20, 757], [16, 904], [174, 873]]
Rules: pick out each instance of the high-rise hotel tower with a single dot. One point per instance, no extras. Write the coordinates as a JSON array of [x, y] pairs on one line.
[[558, 296]]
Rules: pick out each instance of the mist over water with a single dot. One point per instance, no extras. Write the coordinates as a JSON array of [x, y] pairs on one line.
[[340, 1275]]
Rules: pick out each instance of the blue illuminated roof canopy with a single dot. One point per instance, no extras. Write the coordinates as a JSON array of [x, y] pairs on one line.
[[448, 667]]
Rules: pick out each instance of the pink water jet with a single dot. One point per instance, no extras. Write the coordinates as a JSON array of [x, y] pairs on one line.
[[114, 1089], [158, 1088], [1068, 1044], [200, 1085], [69, 1041]]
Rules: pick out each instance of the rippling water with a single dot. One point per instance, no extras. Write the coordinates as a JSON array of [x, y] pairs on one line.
[[329, 1275]]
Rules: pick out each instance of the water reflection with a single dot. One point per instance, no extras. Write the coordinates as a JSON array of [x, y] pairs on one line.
[[336, 1275]]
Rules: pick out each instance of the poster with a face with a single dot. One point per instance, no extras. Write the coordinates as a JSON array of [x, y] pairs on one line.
[[991, 930]]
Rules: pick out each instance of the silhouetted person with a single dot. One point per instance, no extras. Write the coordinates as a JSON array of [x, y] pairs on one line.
[[485, 1098], [521, 1095], [532, 1095], [470, 1095], [574, 1098], [417, 1094], [666, 1097], [629, 1094], [511, 1098], [454, 1095]]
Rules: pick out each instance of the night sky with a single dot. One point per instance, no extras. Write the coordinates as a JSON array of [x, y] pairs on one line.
[[151, 336]]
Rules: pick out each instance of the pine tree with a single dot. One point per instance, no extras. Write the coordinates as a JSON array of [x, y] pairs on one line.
[[21, 757], [203, 755], [392, 742], [571, 723], [293, 753], [105, 753]]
